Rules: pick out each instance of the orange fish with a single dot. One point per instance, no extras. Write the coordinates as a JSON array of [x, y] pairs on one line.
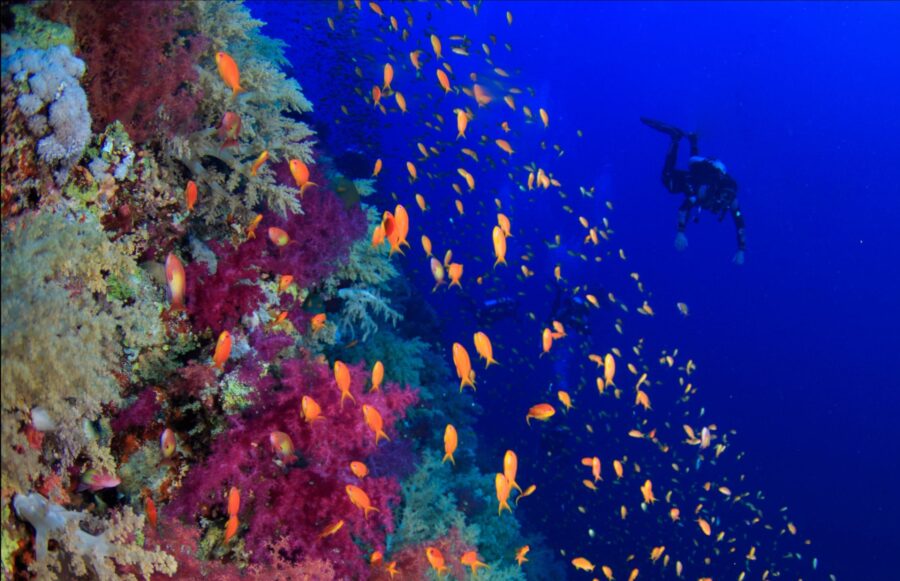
[[359, 469], [231, 528], [278, 236], [564, 399], [426, 245], [229, 72], [376, 95], [503, 222], [388, 76], [375, 422], [317, 323], [470, 559], [411, 168], [190, 194], [414, 59], [437, 271], [463, 367], [546, 341], [704, 526], [377, 169], [609, 369], [436, 46], [230, 129], [443, 80], [283, 446], [455, 272], [582, 564], [251, 228], [342, 378], [300, 171], [284, 281], [510, 467], [223, 350], [331, 529], [176, 281], [450, 443], [647, 492], [499, 239], [482, 97], [259, 161], [527, 492], [484, 349], [520, 554], [501, 484], [420, 201], [377, 375], [360, 499], [167, 443], [401, 101], [234, 501], [311, 409], [436, 559], [462, 121], [541, 411], [505, 146], [150, 510]]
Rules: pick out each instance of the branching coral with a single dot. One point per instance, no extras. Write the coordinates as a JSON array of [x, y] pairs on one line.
[[62, 338], [299, 499], [103, 556], [54, 104], [268, 113], [140, 63]]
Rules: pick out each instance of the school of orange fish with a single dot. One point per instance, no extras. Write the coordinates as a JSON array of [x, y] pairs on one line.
[[666, 459]]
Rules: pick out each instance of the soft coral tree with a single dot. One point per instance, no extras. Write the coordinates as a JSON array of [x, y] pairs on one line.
[[319, 239], [299, 499], [140, 58]]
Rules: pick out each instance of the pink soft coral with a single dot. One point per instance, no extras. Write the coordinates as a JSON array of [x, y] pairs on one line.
[[320, 238], [140, 63], [301, 499]]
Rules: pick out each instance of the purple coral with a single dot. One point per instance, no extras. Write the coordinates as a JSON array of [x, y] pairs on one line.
[[319, 238], [301, 499]]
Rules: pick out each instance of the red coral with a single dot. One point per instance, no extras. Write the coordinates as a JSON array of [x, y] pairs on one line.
[[299, 500], [140, 61]]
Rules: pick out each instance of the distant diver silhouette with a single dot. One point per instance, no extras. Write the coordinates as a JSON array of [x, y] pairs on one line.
[[706, 185]]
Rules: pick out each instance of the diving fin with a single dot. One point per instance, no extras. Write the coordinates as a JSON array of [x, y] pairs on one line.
[[670, 130]]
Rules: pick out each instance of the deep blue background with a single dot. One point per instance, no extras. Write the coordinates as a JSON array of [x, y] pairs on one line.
[[797, 349]]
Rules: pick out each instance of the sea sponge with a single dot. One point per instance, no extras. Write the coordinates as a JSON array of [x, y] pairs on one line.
[[52, 100]]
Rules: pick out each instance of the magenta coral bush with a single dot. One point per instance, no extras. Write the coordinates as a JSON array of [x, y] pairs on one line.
[[140, 63], [320, 237], [299, 500]]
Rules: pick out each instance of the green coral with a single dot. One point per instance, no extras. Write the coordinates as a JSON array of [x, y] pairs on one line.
[[403, 358], [236, 396], [62, 338], [431, 509], [267, 109], [31, 31]]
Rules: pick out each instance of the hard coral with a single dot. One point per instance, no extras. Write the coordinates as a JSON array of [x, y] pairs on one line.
[[140, 59], [298, 500]]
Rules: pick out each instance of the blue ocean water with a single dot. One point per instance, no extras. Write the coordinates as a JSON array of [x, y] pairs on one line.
[[795, 349]]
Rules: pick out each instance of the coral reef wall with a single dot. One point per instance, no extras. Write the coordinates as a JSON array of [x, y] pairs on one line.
[[190, 330]]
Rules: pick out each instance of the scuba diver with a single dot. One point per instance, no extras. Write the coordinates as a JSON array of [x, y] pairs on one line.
[[706, 185]]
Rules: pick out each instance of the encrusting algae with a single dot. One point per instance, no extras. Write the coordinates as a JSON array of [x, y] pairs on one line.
[[221, 356]]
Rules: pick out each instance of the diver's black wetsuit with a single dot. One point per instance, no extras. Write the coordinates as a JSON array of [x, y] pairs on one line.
[[703, 187]]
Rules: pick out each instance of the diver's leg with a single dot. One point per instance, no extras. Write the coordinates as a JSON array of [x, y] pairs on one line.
[[695, 148], [669, 173]]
